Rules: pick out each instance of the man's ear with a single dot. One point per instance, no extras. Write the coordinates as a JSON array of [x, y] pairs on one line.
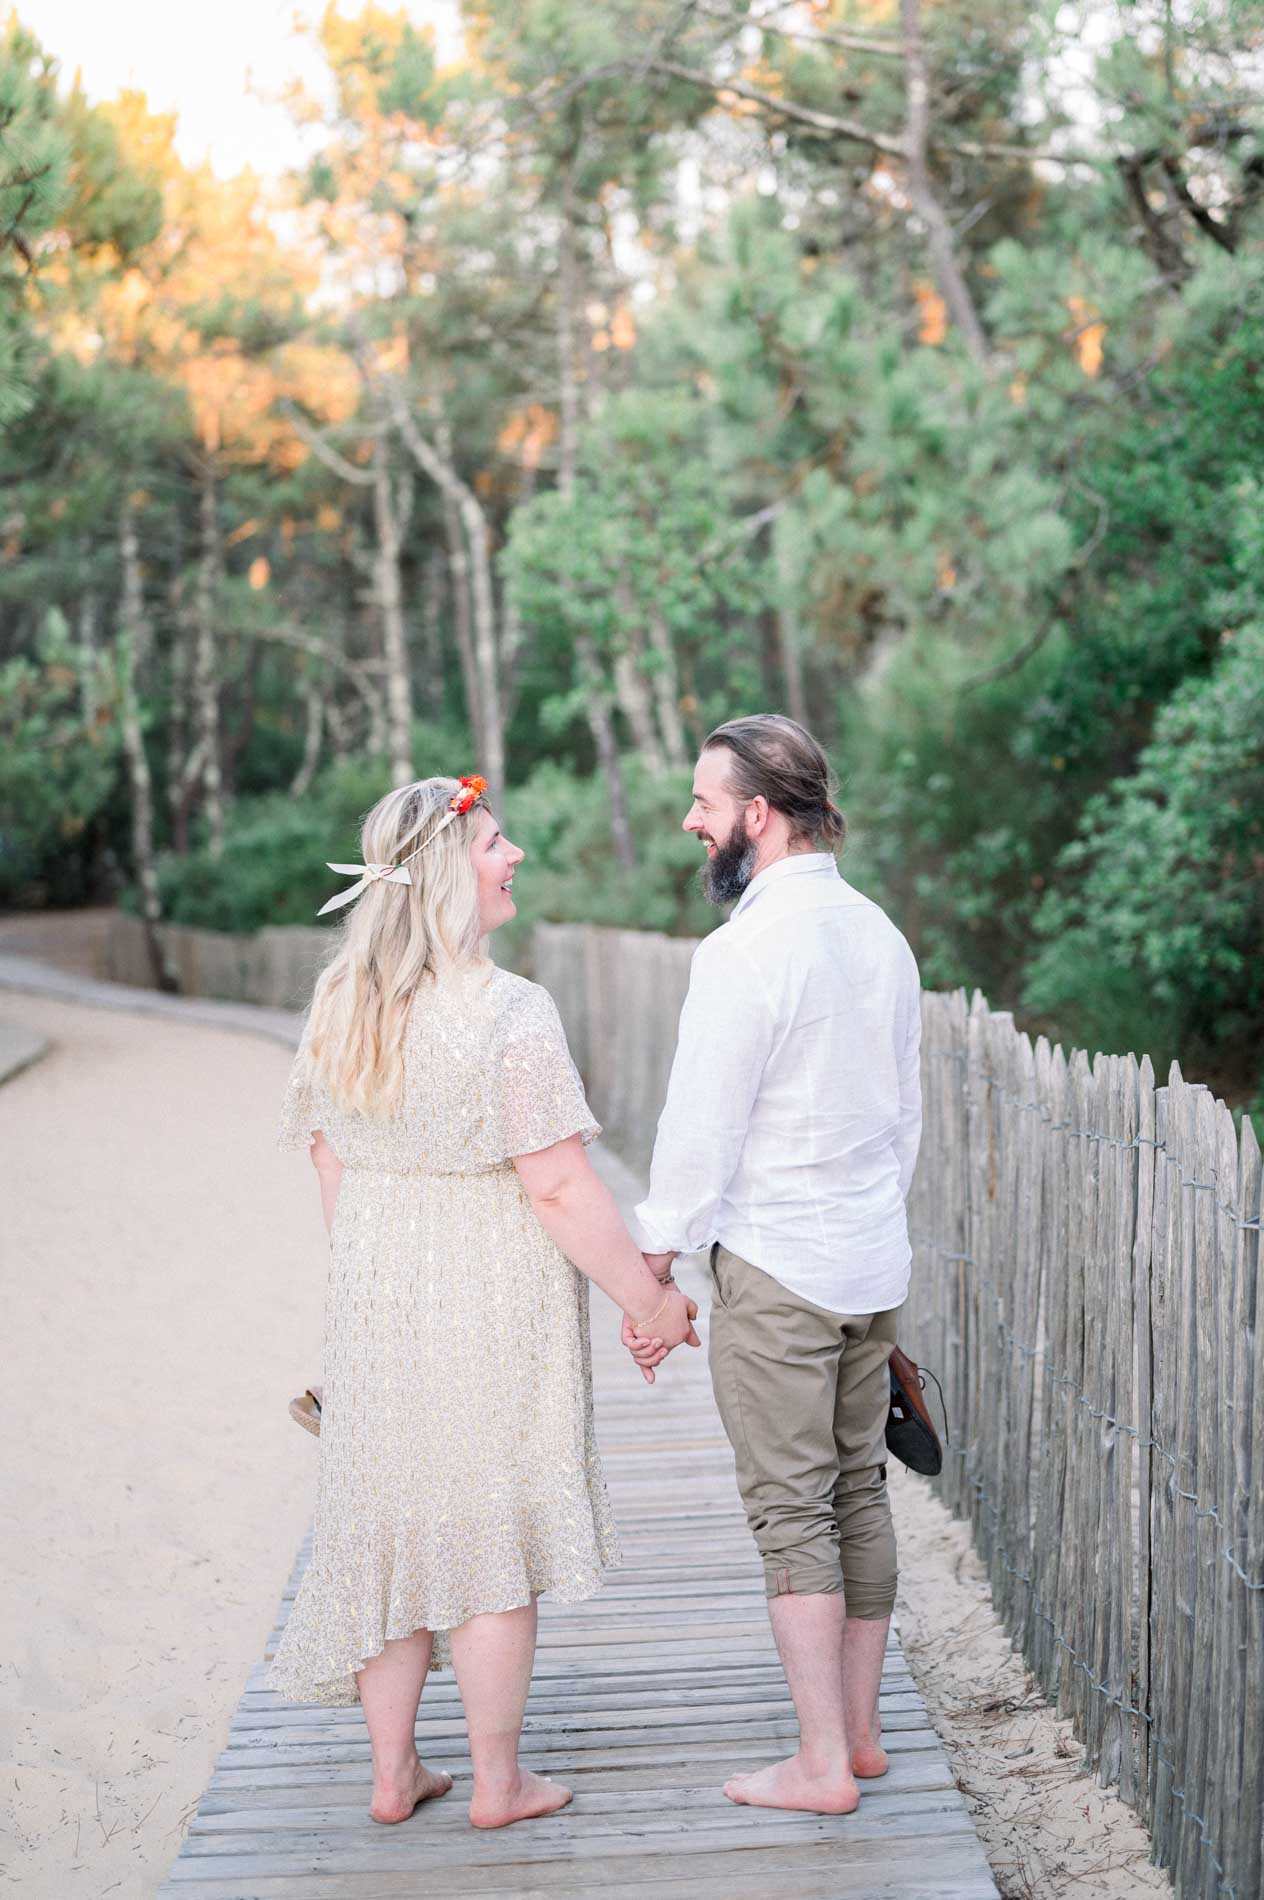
[[756, 817]]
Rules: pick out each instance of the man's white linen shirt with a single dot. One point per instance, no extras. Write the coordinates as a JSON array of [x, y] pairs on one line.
[[794, 1108]]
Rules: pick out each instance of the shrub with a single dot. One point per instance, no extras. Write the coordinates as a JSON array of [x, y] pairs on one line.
[[273, 867], [1156, 942], [59, 777]]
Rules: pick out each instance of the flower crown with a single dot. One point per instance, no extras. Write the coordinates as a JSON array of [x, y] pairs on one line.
[[462, 800]]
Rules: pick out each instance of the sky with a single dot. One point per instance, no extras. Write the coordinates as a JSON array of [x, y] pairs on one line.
[[212, 62]]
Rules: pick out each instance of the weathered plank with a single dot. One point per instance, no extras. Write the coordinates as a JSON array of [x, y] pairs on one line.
[[800, 1871]]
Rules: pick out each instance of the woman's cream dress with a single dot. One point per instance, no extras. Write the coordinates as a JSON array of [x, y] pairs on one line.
[[458, 1468]]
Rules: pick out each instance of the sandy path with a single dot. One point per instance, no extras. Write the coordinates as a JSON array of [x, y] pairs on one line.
[[163, 1272], [1049, 1831]]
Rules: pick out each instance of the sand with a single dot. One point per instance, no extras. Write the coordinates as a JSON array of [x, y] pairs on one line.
[[163, 1272], [1047, 1828]]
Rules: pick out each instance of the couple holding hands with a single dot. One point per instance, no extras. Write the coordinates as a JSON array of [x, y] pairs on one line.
[[460, 1476]]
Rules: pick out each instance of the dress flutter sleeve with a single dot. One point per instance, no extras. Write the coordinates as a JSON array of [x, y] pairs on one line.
[[539, 1095], [300, 1114]]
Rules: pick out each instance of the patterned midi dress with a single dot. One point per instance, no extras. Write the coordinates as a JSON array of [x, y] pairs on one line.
[[459, 1471]]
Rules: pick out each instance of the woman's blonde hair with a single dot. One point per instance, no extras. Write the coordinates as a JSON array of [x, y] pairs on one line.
[[393, 937]]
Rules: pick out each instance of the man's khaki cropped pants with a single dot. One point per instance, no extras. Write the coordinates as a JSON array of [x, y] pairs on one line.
[[804, 1394]]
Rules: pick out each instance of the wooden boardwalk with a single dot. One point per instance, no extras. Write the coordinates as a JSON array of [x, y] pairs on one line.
[[644, 1700]]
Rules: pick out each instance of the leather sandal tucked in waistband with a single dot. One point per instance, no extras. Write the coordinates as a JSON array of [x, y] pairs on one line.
[[305, 1411]]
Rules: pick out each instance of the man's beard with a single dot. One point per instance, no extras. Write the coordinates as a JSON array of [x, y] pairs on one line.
[[726, 875]]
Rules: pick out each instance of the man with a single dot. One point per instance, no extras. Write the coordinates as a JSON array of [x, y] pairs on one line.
[[786, 1147]]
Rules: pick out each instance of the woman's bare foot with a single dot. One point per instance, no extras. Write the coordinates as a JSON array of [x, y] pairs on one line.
[[395, 1800], [787, 1784], [868, 1761], [522, 1800]]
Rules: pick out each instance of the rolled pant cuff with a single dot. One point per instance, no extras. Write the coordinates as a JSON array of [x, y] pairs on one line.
[[867, 1602], [802, 1580]]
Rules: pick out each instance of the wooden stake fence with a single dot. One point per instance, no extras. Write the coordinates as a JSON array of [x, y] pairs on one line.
[[1086, 1286]]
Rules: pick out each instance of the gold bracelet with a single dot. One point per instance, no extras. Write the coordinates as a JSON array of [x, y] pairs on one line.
[[639, 1326]]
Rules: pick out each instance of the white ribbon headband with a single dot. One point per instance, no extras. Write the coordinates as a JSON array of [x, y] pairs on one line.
[[470, 792]]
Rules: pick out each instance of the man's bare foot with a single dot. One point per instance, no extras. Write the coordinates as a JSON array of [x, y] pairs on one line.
[[395, 1801], [787, 1784], [868, 1761], [523, 1800]]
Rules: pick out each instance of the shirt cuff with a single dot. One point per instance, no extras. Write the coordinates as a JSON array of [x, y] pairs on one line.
[[651, 1232]]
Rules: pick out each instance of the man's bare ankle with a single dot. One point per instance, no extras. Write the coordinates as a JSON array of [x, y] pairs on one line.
[[826, 1765], [495, 1787]]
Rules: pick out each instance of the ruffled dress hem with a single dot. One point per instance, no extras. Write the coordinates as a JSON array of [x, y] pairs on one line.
[[339, 1689]]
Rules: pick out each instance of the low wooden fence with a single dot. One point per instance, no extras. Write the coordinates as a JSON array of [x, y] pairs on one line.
[[619, 993], [275, 967], [1086, 1286]]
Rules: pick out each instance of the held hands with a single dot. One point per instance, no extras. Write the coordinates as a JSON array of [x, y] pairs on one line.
[[650, 1343]]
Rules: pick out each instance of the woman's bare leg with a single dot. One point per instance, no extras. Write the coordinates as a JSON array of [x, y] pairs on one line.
[[390, 1689], [492, 1656]]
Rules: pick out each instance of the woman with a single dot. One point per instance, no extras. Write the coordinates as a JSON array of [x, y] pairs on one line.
[[459, 1473]]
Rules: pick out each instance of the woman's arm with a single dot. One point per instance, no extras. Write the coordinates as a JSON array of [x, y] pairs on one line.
[[329, 1170], [579, 1214]]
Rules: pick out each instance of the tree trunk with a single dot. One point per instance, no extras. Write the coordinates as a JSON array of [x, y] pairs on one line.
[[312, 737], [340, 736], [939, 238], [241, 724], [597, 705], [469, 546], [466, 527], [632, 687], [486, 658], [132, 642], [633, 692], [186, 793], [463, 619], [389, 596], [88, 677], [178, 708], [666, 685], [205, 680], [431, 636], [512, 638]]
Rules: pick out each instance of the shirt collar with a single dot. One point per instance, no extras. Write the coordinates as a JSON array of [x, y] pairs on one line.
[[798, 864]]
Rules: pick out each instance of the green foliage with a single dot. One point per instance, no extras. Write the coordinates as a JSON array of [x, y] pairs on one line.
[[571, 875], [59, 770], [641, 559], [65, 192], [968, 777], [274, 865], [277, 848], [1155, 939], [35, 152]]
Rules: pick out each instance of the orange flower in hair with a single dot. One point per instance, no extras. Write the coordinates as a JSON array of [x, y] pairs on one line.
[[471, 791]]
